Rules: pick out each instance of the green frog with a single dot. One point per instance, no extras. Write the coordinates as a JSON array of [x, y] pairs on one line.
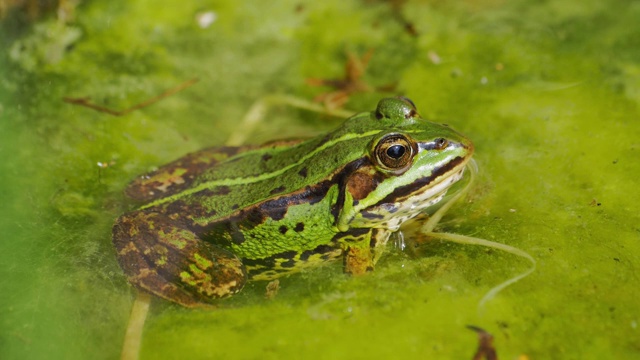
[[217, 218]]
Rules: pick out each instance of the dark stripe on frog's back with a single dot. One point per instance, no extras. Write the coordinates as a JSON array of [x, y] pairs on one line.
[[228, 203], [352, 140], [219, 202]]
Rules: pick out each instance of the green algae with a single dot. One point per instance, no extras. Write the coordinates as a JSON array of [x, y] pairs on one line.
[[548, 92]]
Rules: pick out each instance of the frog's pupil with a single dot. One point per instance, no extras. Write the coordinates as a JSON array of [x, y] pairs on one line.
[[396, 151]]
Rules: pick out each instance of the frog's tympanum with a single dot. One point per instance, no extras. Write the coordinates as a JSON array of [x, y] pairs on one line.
[[217, 218]]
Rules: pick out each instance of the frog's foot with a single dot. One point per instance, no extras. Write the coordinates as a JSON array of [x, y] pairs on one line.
[[164, 258], [361, 255], [358, 260]]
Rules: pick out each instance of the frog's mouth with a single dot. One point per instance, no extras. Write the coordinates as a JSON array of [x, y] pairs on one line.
[[441, 177], [392, 211]]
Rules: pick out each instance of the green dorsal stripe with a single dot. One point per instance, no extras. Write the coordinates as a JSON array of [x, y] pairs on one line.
[[265, 176]]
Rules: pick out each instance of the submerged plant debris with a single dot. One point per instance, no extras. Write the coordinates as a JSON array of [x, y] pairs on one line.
[[548, 92]]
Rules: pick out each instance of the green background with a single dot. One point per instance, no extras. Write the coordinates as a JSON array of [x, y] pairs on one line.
[[547, 90]]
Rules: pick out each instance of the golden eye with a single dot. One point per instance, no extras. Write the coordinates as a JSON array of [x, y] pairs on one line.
[[394, 152]]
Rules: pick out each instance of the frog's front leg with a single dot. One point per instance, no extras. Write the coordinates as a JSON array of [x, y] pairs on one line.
[[361, 256], [163, 257], [358, 260]]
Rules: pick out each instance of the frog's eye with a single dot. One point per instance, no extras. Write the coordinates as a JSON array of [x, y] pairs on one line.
[[396, 108], [409, 102], [394, 152]]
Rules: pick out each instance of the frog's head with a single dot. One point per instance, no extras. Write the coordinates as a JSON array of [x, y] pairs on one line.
[[410, 165]]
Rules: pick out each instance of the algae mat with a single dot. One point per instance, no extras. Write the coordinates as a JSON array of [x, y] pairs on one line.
[[548, 92]]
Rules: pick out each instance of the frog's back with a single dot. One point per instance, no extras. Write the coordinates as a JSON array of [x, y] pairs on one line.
[[218, 183], [178, 175], [273, 176]]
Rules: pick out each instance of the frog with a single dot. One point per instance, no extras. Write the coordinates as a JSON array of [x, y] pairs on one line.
[[215, 219]]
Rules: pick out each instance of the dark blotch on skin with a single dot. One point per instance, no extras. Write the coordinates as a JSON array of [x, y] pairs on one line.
[[283, 229], [299, 227], [266, 262], [354, 233], [277, 213], [360, 183], [176, 207], [221, 190], [288, 264], [303, 172], [304, 256], [327, 256], [181, 207], [277, 208], [321, 188], [287, 255], [224, 233], [255, 216], [278, 190], [371, 216], [266, 157], [391, 208], [237, 237], [320, 249]]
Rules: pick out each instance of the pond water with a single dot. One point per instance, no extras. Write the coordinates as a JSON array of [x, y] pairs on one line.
[[548, 92]]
